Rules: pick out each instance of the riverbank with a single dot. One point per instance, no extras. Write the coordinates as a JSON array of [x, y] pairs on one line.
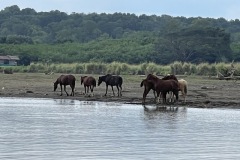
[[203, 92]]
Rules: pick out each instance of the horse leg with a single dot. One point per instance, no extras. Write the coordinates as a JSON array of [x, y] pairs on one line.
[[145, 95], [158, 97], [164, 94], [118, 90], [85, 89], [171, 96], [113, 91], [91, 88], [61, 89], [106, 90], [154, 93], [176, 94], [72, 93], [65, 90], [184, 96]]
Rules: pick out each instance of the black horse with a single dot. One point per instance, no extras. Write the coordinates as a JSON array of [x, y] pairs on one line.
[[65, 80], [112, 81]]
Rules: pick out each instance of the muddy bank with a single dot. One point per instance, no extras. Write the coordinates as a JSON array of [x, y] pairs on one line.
[[202, 91]]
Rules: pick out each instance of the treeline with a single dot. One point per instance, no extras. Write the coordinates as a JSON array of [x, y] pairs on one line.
[[77, 37]]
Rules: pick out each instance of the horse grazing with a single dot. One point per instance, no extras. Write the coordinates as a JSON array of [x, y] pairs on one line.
[[161, 87], [112, 81], [183, 88], [65, 80], [88, 82]]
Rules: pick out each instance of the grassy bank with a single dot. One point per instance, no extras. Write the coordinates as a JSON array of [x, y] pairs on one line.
[[127, 69]]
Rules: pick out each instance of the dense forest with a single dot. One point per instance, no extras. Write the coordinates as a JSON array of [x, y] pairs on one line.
[[58, 37]]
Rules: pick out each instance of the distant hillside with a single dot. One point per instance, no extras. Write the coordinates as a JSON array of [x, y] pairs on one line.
[[117, 37]]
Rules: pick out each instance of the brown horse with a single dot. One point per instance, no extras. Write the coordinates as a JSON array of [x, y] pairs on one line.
[[149, 77], [161, 87], [168, 77], [88, 82], [182, 84], [65, 80], [147, 87], [164, 86]]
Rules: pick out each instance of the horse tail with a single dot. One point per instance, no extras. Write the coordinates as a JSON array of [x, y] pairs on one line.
[[94, 83], [141, 83], [185, 88], [73, 83], [120, 81]]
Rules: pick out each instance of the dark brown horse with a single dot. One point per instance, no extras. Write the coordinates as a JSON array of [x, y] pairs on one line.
[[168, 77], [147, 87], [150, 77], [65, 80], [88, 82], [182, 85], [161, 87], [112, 81]]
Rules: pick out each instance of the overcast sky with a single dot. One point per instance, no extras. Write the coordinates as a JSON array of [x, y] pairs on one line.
[[228, 9]]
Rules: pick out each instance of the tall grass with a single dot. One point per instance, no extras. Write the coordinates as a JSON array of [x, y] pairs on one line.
[[117, 68]]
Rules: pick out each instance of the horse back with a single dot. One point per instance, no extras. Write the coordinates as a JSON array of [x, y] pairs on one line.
[[90, 81], [67, 79], [183, 85], [167, 85], [114, 80]]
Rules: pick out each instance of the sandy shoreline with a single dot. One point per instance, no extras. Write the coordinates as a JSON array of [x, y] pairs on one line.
[[202, 92]]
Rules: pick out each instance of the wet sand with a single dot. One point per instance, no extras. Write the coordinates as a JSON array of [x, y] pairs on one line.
[[203, 92]]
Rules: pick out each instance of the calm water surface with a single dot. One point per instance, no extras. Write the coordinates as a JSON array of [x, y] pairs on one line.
[[67, 129]]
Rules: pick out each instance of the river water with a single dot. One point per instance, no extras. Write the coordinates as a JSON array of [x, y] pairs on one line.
[[43, 129]]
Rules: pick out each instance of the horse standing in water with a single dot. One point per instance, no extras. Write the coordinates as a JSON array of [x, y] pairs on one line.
[[65, 80], [112, 81], [88, 82]]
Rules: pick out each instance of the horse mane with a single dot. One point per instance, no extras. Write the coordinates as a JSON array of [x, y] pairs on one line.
[[150, 76], [170, 76]]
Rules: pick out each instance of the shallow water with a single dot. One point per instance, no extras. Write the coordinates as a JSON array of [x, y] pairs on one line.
[[69, 129]]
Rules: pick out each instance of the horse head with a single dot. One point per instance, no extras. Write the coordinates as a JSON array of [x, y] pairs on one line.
[[82, 79], [100, 80], [55, 84]]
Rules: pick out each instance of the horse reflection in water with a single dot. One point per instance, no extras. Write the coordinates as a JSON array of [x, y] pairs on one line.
[[165, 112], [65, 80]]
